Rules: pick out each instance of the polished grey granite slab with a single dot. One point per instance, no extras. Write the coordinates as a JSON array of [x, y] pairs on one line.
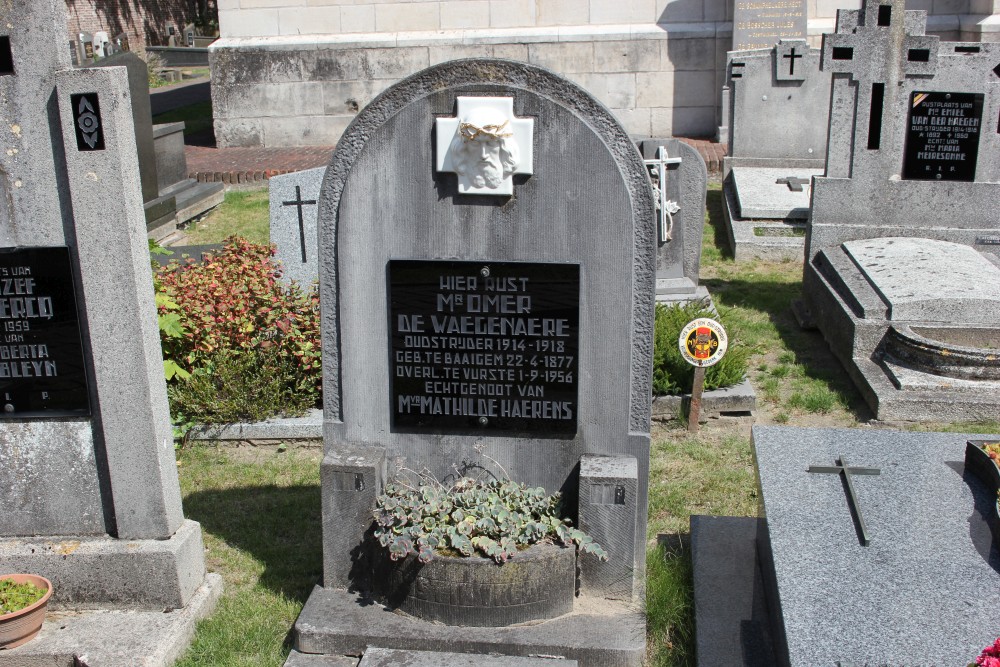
[[926, 591]]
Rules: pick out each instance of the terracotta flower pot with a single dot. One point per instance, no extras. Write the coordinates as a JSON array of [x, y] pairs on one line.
[[20, 626]]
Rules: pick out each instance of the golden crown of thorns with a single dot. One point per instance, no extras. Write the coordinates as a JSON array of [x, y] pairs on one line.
[[471, 132]]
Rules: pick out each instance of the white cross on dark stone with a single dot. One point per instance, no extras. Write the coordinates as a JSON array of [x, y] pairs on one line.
[[852, 498], [299, 202]]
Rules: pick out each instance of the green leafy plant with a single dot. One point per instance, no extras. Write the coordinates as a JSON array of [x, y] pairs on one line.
[[236, 386], [672, 375], [235, 331], [15, 597], [493, 518]]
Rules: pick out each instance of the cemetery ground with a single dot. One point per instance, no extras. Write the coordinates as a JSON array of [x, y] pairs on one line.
[[259, 503]]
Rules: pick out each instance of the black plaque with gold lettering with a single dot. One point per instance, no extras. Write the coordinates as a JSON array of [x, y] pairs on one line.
[[484, 346], [42, 370], [942, 136]]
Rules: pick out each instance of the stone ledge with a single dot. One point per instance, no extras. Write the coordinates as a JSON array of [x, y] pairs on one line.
[[737, 401], [380, 40], [102, 638], [336, 622], [92, 572]]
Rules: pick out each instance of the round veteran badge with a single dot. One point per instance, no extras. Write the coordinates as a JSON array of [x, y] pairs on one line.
[[703, 342]]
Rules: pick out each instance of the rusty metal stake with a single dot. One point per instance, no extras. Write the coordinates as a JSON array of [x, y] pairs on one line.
[[694, 414]]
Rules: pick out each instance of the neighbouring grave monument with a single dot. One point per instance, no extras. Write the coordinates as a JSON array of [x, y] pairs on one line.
[[902, 274], [293, 210], [459, 320], [778, 108], [679, 178], [88, 484], [873, 548]]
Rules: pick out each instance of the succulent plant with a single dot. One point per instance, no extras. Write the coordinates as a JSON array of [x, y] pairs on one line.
[[493, 518]]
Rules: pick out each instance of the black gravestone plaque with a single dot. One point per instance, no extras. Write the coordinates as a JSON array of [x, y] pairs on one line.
[[42, 371], [484, 346], [942, 136]]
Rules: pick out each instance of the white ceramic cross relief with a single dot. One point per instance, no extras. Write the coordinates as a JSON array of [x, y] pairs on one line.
[[484, 144]]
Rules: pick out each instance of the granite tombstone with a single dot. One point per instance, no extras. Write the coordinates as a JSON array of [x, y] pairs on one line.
[[679, 178], [501, 304], [293, 210], [873, 548], [901, 267], [778, 105], [88, 486]]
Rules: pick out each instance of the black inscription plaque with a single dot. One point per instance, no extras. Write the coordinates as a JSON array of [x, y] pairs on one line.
[[942, 136], [42, 371], [87, 121], [484, 346]]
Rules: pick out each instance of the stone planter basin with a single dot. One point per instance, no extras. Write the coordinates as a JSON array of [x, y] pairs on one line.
[[537, 584], [967, 353]]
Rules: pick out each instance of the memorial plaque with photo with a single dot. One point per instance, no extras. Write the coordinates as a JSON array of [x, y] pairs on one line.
[[42, 371], [760, 24], [484, 346], [942, 136]]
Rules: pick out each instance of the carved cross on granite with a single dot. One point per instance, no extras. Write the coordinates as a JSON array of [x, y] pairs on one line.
[[842, 468], [794, 183], [485, 145], [299, 202], [791, 59]]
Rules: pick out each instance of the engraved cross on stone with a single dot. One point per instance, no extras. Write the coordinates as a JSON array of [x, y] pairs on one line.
[[842, 468], [299, 202], [791, 60], [794, 183]]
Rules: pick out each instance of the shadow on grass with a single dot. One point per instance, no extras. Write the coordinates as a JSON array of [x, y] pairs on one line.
[[278, 526], [774, 299], [717, 225]]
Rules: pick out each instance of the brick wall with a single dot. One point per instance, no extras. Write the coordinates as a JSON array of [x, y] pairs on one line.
[[144, 21]]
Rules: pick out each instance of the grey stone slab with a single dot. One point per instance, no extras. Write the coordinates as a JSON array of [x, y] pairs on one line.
[[737, 401], [102, 638], [380, 657], [309, 426], [142, 122], [606, 635], [607, 512], [761, 194], [168, 144], [854, 339], [103, 572], [776, 111], [296, 659], [121, 336], [931, 562], [293, 226], [731, 620], [772, 240], [928, 280]]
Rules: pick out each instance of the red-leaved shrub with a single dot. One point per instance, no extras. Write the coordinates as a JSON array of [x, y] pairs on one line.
[[234, 302]]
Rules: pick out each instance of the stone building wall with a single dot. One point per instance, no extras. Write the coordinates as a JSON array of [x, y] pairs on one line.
[[295, 72]]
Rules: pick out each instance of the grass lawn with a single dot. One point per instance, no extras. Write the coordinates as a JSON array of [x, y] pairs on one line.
[[259, 507], [243, 213]]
